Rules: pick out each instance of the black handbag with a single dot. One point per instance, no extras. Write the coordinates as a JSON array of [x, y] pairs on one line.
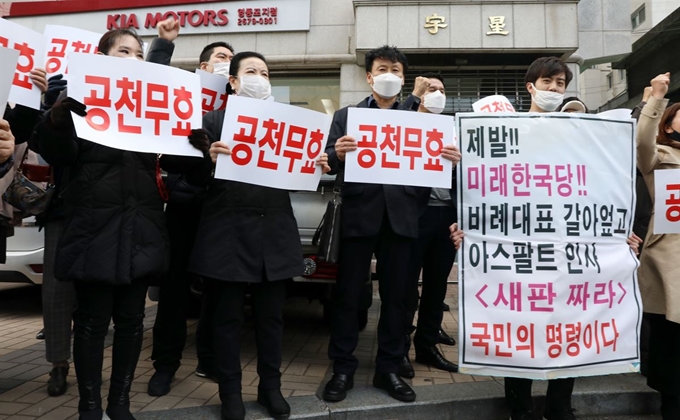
[[328, 234], [27, 197]]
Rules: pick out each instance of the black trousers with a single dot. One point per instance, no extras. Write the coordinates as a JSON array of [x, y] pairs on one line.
[[170, 328], [664, 355], [434, 253], [228, 299], [393, 253], [96, 304], [558, 399]]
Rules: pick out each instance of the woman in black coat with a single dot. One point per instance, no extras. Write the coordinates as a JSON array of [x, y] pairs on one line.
[[247, 240], [114, 241]]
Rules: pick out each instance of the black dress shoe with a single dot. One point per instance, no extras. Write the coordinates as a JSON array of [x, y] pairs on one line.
[[232, 407], [431, 356], [395, 386], [40, 335], [159, 384], [445, 307], [57, 384], [406, 369], [446, 339], [272, 399], [336, 389]]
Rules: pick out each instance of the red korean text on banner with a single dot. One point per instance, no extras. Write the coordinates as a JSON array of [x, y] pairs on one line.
[[396, 147], [272, 144], [31, 47], [127, 108]]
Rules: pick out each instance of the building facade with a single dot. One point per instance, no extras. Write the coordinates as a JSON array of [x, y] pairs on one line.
[[316, 48], [605, 86]]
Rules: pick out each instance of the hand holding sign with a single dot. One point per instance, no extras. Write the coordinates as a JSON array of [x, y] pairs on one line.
[[219, 148], [200, 140], [61, 112], [343, 145], [39, 78]]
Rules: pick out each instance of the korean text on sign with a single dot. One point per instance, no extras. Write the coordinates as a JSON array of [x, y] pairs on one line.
[[494, 103], [134, 105], [213, 91], [399, 148], [31, 47], [546, 207], [62, 40], [8, 62], [272, 144], [667, 201]]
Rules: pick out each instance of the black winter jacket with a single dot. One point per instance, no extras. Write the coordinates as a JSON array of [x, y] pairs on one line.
[[247, 233], [115, 229]]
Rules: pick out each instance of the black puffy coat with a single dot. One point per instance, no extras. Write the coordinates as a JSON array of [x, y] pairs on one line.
[[247, 233], [114, 230]]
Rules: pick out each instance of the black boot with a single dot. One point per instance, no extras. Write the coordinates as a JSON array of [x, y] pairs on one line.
[[127, 345], [273, 401], [88, 357], [232, 406], [57, 383]]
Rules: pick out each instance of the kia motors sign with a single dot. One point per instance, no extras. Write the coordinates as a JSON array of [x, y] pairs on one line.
[[194, 17]]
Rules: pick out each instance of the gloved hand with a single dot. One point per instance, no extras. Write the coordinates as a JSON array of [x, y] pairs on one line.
[[61, 111], [200, 140], [55, 85]]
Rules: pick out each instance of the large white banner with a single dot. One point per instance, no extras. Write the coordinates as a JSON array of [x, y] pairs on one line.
[[667, 201], [31, 47], [273, 145], [134, 105], [63, 40], [8, 62], [548, 285], [399, 147]]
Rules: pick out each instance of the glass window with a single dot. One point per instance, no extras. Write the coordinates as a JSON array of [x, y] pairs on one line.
[[638, 17], [320, 94]]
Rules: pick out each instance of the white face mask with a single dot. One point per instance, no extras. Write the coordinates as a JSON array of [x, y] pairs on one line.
[[387, 85], [254, 87], [435, 102], [221, 69], [547, 100]]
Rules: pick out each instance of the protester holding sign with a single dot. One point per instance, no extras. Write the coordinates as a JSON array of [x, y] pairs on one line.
[[433, 253], [546, 80], [114, 241], [658, 149], [183, 212], [247, 240], [375, 218]]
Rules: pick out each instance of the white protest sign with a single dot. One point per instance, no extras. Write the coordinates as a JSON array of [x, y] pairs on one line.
[[272, 144], [493, 103], [666, 201], [63, 40], [213, 91], [8, 62], [399, 147], [127, 107], [618, 114], [31, 47], [548, 284]]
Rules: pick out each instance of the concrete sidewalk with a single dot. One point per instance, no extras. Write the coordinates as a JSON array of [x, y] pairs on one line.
[[24, 374]]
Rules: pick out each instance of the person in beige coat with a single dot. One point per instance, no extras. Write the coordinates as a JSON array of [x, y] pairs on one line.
[[658, 148]]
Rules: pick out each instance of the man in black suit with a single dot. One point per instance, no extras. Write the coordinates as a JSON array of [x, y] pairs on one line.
[[375, 218]]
